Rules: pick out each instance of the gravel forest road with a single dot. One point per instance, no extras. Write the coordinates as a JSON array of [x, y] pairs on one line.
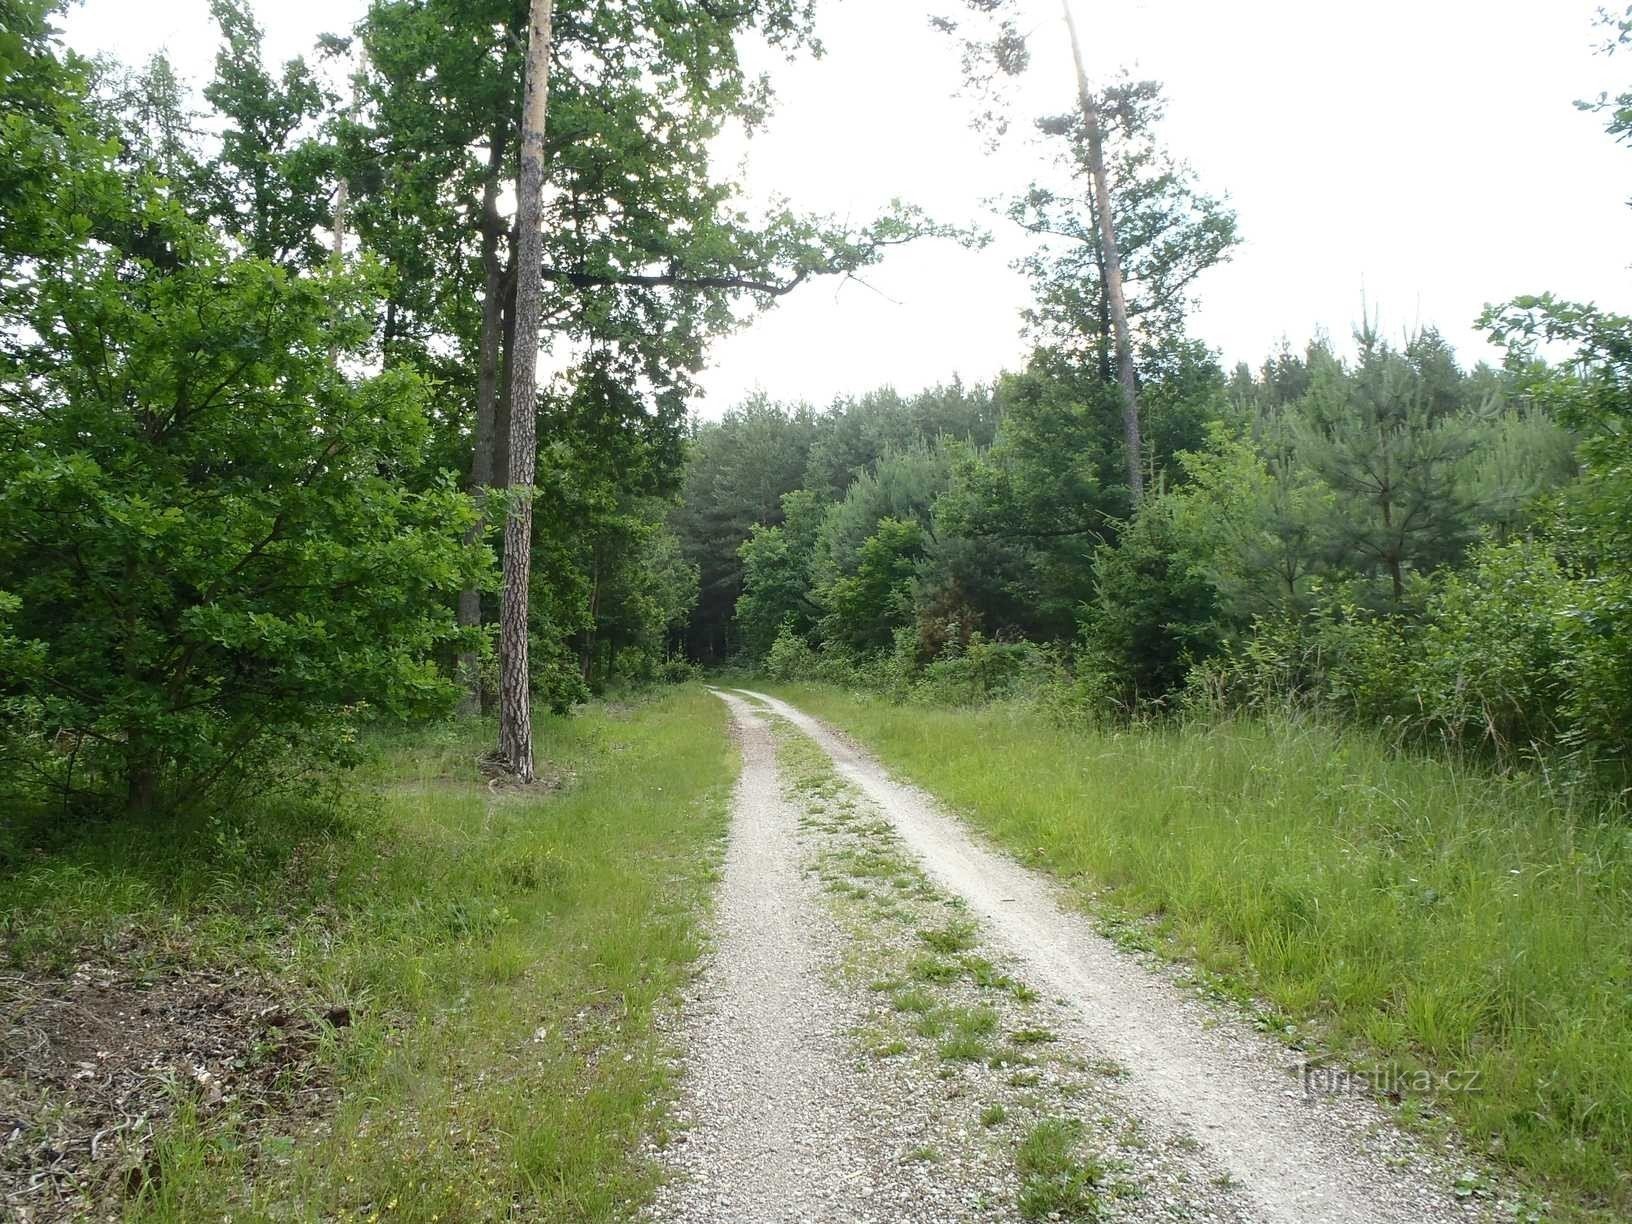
[[788, 1116]]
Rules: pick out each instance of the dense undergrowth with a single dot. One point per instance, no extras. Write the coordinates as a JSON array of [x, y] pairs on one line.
[[1427, 915], [501, 956]]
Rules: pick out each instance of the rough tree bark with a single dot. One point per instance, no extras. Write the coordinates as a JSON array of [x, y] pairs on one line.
[[515, 697], [487, 395], [507, 362], [1113, 266]]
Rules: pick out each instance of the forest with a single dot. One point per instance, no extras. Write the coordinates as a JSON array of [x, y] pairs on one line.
[[1345, 530], [351, 441]]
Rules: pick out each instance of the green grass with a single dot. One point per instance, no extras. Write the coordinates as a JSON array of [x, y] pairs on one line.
[[934, 969], [503, 956], [1403, 910], [967, 1032], [913, 999], [953, 937], [1056, 1180]]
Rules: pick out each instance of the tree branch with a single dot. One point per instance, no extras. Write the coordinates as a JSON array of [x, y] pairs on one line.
[[741, 282]]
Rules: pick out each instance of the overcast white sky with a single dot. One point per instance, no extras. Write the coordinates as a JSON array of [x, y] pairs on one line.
[[1422, 153]]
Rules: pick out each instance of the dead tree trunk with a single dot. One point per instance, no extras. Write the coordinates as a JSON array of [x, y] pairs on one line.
[[515, 697], [1113, 266], [487, 396]]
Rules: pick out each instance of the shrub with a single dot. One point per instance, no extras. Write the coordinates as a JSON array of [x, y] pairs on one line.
[[211, 554], [1155, 615], [985, 671], [676, 669], [1514, 654], [1492, 665], [790, 657]]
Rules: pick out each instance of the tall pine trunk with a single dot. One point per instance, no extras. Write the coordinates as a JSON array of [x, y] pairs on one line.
[[515, 697], [1113, 266], [1102, 342], [487, 395], [507, 363]]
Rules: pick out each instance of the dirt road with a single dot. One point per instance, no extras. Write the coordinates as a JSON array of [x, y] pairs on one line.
[[847, 1057]]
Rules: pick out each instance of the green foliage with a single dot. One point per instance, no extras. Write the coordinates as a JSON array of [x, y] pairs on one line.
[[268, 182], [863, 608], [1494, 658], [902, 485], [855, 464], [1523, 455], [1251, 520], [1317, 513], [1168, 234], [641, 592], [1517, 655], [1032, 507], [790, 657], [1338, 650], [1334, 525], [209, 554], [1386, 440], [986, 671], [677, 670], [776, 575], [854, 434], [648, 256], [238, 567], [1313, 547], [738, 472], [1523, 650], [1154, 615], [1619, 108]]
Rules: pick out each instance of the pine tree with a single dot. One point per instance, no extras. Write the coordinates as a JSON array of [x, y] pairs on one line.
[[1388, 441], [515, 691]]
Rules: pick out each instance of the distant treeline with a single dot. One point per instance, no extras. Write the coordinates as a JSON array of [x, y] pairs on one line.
[[1436, 548]]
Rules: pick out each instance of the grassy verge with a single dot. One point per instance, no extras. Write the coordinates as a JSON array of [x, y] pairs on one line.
[[501, 958], [1436, 918]]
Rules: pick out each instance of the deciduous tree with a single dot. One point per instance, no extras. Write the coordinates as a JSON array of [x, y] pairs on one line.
[[210, 554]]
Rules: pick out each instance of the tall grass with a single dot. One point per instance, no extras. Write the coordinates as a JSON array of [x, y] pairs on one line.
[[1401, 907], [504, 957]]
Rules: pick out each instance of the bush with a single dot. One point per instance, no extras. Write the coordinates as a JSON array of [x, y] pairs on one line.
[[790, 657], [1512, 655], [1155, 616], [1342, 653], [893, 674], [676, 669], [211, 557], [1491, 666], [985, 671]]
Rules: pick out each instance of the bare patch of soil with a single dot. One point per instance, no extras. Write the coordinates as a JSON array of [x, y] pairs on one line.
[[93, 1064], [500, 781]]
